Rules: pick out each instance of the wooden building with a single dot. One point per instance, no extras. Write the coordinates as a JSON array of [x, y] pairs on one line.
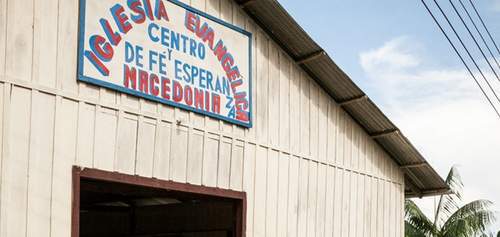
[[316, 158]]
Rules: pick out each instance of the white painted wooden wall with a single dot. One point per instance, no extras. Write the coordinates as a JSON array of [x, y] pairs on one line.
[[307, 168]]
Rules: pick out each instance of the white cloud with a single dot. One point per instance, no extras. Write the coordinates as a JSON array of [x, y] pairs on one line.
[[390, 56], [442, 112]]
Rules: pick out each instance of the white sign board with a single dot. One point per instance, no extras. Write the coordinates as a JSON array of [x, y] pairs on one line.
[[166, 51]]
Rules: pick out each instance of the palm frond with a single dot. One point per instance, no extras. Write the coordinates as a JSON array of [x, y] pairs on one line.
[[470, 220], [449, 203], [417, 220], [498, 234], [411, 231]]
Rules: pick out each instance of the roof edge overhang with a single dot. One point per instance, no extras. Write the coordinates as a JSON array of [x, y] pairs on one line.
[[420, 178]]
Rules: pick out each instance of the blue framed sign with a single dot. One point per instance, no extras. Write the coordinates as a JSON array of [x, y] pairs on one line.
[[166, 51]]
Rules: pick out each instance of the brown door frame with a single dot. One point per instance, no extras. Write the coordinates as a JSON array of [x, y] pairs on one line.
[[78, 173]]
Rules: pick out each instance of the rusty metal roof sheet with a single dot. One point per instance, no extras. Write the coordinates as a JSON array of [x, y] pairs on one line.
[[420, 178]]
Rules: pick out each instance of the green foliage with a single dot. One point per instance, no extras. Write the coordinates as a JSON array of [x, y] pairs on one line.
[[450, 219]]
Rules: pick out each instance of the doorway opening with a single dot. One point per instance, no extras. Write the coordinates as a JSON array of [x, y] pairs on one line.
[[113, 204]]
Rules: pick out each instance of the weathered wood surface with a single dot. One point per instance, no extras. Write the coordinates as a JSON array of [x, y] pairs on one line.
[[307, 168]]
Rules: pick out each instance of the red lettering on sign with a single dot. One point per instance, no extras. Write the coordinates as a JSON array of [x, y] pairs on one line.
[[143, 81], [165, 88], [130, 76]]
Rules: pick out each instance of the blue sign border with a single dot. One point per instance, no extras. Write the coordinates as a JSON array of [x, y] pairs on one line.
[[83, 78]]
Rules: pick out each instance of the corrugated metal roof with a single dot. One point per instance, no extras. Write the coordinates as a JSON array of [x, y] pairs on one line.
[[420, 178]]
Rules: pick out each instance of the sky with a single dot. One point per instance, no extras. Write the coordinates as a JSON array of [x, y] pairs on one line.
[[394, 51]]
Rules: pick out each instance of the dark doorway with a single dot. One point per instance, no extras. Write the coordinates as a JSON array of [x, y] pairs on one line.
[[111, 204]]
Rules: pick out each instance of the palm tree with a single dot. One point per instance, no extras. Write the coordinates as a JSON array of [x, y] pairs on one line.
[[450, 220]]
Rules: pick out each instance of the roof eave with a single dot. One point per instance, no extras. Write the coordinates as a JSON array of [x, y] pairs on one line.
[[285, 31]]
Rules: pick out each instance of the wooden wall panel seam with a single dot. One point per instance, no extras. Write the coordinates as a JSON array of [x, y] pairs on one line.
[[5, 146], [218, 132], [115, 106]]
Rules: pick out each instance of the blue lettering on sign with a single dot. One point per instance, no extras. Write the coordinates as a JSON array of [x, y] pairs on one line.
[[176, 41], [171, 68], [132, 53]]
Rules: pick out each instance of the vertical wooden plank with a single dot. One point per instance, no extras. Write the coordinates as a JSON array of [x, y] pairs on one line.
[[339, 145], [86, 131], [126, 144], [312, 199], [284, 84], [272, 192], [250, 26], [360, 220], [4, 134], [45, 42], [19, 46], [274, 95], [262, 79], [15, 165], [67, 42], [260, 192], [332, 132], [282, 206], [348, 143], [64, 157], [236, 182], [303, 195], [377, 162], [105, 139], [367, 155], [323, 126], [381, 163], [363, 156], [387, 208], [3, 34], [353, 201], [330, 199], [210, 160], [107, 96], [394, 170], [304, 114], [355, 147], [239, 19], [178, 158], [199, 4], [346, 197], [380, 209], [368, 206], [295, 102], [338, 202], [145, 147], [40, 164], [393, 210], [213, 8], [162, 159], [314, 109], [226, 14], [2, 126], [374, 208], [224, 168], [132, 102], [401, 210], [321, 201], [249, 185], [195, 159], [293, 196]]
